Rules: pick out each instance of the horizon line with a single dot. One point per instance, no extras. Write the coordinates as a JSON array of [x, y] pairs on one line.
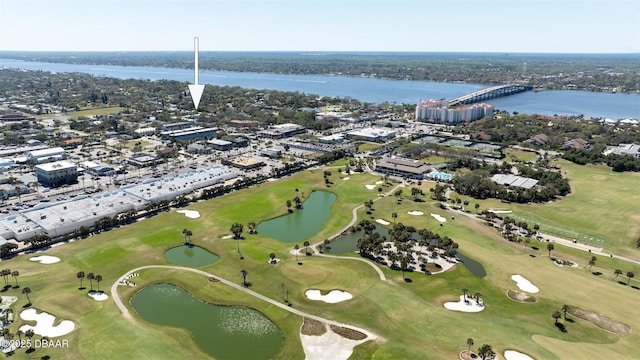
[[325, 52]]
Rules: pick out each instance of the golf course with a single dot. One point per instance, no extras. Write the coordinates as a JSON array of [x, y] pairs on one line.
[[405, 318]]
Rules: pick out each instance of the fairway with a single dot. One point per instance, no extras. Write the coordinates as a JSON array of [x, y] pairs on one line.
[[409, 318], [100, 111]]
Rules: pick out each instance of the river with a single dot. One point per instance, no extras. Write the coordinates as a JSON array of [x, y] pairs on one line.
[[560, 102]]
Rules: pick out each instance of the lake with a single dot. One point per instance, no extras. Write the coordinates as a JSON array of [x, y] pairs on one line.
[[223, 332], [190, 255], [561, 102], [303, 223]]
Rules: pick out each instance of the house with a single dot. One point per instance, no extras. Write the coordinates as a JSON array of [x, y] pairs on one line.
[[576, 144], [538, 140]]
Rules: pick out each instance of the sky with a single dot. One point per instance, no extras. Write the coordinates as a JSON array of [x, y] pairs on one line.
[[516, 26]]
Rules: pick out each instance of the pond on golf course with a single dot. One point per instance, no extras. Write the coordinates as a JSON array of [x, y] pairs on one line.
[[190, 255], [223, 332], [303, 223]]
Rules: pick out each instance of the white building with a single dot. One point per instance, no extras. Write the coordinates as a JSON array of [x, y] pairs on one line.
[[372, 134], [57, 173], [46, 155], [437, 111], [623, 149]]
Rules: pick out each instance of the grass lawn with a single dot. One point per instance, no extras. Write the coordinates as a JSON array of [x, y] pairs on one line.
[[408, 317], [519, 155], [132, 143], [96, 111], [433, 159], [368, 146]]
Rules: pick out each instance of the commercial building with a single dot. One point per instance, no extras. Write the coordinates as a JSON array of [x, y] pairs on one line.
[[402, 167], [59, 218], [191, 133], [372, 134], [57, 173], [97, 168], [221, 145], [282, 131], [46, 155], [142, 160], [271, 152], [244, 163], [438, 111]]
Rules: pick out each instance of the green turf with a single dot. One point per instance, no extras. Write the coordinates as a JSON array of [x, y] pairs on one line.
[[519, 155], [96, 111], [409, 317]]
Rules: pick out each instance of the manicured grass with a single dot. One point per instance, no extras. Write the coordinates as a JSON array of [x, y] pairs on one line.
[[96, 111], [433, 159], [409, 317], [519, 155], [368, 146], [602, 209]]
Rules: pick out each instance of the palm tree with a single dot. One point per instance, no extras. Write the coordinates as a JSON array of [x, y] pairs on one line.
[[18, 190], [289, 205], [617, 272], [556, 315], [549, 248], [244, 274], [306, 245], [297, 247], [252, 227], [464, 293], [29, 334], [394, 215], [15, 275], [486, 352], [272, 257], [80, 275], [236, 229], [477, 295], [98, 279], [630, 274], [5, 274], [90, 277], [592, 262], [469, 343], [26, 291], [564, 309]]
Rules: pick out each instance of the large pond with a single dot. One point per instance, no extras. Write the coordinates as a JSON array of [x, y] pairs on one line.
[[473, 266], [303, 223], [224, 332], [190, 255]]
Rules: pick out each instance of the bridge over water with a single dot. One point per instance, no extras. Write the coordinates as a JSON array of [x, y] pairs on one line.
[[490, 93]]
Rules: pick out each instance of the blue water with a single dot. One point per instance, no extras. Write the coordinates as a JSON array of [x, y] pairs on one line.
[[440, 176], [561, 102]]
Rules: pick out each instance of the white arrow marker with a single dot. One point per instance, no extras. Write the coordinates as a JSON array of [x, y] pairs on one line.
[[195, 89]]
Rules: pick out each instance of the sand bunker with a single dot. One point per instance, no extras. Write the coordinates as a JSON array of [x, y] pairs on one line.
[[469, 306], [333, 296], [44, 324], [500, 211], [45, 259], [524, 284], [370, 187], [417, 213], [191, 214], [328, 345], [379, 182], [383, 222], [439, 218], [515, 355], [346, 178], [227, 237], [98, 295]]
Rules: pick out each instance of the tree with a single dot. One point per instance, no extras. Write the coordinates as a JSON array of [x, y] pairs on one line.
[[90, 277], [272, 257], [29, 334], [98, 279], [564, 309], [630, 274], [464, 294], [306, 245], [592, 262], [486, 352], [244, 274], [404, 263], [394, 215], [549, 248], [556, 315], [296, 248], [478, 296], [236, 229], [289, 205], [469, 343], [617, 272], [252, 227], [80, 275], [26, 291], [15, 275], [187, 235], [5, 275]]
